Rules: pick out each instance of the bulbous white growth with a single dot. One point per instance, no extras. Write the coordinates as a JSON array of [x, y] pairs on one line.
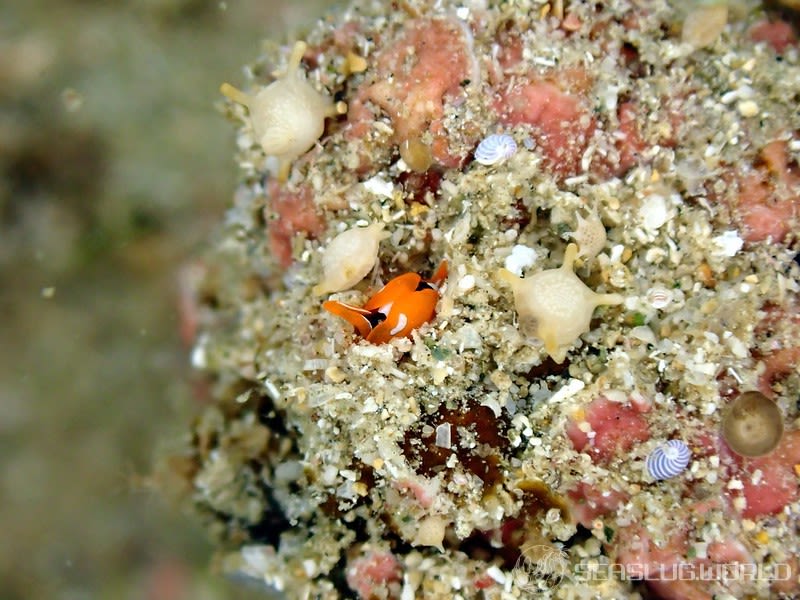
[[349, 257], [555, 306], [590, 235], [288, 116]]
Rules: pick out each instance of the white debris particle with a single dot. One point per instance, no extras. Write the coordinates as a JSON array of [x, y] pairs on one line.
[[521, 257], [748, 108], [466, 283], [329, 473], [737, 347], [655, 255], [552, 516], [701, 549], [255, 557], [495, 573], [369, 406], [335, 374], [199, 356], [310, 567], [653, 212], [643, 334], [468, 338], [409, 591], [315, 364], [735, 484], [569, 389], [379, 186], [491, 402], [727, 244], [616, 253], [443, 435]]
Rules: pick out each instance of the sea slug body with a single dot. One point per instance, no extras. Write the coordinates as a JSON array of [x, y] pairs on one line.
[[495, 149], [668, 460], [288, 116], [397, 309], [349, 257], [555, 306]]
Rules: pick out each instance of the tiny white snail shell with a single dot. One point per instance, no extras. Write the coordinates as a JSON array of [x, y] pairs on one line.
[[668, 460], [349, 257], [288, 115], [495, 148], [659, 297]]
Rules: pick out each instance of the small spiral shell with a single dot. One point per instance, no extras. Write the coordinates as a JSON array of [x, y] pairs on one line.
[[495, 148], [659, 297], [668, 460]]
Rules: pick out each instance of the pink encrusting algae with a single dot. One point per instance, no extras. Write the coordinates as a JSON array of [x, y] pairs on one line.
[[614, 188], [412, 89]]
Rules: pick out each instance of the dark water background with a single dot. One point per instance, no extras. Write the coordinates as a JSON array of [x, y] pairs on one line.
[[114, 168]]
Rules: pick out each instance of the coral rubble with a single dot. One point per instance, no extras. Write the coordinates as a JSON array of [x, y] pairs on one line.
[[475, 458]]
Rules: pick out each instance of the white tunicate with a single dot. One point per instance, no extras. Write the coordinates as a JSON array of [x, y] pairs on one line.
[[349, 257], [590, 234], [288, 116], [555, 306]]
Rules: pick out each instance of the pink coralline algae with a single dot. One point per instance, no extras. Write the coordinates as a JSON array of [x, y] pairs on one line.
[[411, 87], [607, 429], [769, 195], [777, 486], [288, 213], [561, 123], [778, 34], [374, 574]]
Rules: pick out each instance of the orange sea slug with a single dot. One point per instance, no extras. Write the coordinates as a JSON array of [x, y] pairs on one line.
[[397, 309]]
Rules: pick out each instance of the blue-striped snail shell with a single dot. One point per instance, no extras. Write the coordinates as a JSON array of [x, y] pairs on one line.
[[668, 460], [495, 148]]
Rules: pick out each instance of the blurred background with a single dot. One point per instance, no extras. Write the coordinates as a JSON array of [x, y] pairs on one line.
[[115, 169]]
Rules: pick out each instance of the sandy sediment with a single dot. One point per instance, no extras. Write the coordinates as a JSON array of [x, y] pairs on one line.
[[472, 458]]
